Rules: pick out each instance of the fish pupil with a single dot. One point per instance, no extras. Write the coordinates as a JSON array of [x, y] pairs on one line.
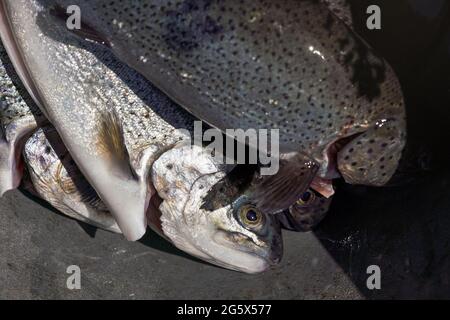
[[252, 215], [306, 196]]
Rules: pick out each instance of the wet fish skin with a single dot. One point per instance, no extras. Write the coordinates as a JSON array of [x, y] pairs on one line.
[[56, 179], [64, 76], [87, 95], [48, 176], [17, 122], [204, 211], [290, 65]]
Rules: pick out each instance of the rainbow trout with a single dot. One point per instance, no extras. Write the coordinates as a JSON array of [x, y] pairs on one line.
[[290, 65], [123, 136]]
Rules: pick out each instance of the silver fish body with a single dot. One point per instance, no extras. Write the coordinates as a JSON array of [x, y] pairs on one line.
[[17, 123], [56, 179], [207, 213], [287, 65], [115, 125]]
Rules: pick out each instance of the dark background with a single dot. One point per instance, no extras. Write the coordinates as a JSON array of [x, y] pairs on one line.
[[405, 228]]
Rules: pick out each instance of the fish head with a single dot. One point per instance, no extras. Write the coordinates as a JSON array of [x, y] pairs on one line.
[[306, 213], [205, 212], [56, 178], [46, 157], [372, 156]]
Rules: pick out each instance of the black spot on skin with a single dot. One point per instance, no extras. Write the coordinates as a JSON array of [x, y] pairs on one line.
[[329, 22], [189, 26], [369, 71]]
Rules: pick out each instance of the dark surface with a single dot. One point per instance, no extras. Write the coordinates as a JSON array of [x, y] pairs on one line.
[[405, 228], [37, 245]]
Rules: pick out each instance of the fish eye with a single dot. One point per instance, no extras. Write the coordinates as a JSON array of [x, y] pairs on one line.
[[251, 216], [306, 198]]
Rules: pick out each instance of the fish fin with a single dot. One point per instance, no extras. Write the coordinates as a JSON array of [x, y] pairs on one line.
[[90, 230], [111, 144], [86, 31], [12, 141], [279, 191], [75, 183], [16, 57]]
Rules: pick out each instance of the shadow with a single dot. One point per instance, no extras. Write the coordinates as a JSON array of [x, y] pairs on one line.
[[152, 97], [404, 229], [150, 239]]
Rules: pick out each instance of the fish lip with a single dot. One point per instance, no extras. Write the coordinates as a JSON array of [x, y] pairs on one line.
[[330, 153], [270, 260], [274, 254]]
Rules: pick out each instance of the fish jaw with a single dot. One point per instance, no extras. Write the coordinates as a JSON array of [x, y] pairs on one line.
[[184, 178]]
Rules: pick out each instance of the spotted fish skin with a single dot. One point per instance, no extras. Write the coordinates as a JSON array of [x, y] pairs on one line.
[[291, 65], [305, 214], [116, 125], [66, 75]]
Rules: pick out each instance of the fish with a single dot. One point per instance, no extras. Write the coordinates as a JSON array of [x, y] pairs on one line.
[[306, 213], [206, 232], [209, 212], [313, 205], [17, 123], [55, 178], [120, 130], [342, 9], [288, 65]]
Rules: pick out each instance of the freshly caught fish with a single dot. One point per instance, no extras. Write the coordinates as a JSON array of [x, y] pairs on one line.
[[289, 65], [306, 213], [313, 205], [207, 212], [56, 179], [121, 131], [17, 123]]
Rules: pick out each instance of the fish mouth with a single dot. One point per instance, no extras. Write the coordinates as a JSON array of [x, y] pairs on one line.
[[238, 251], [323, 181], [249, 257]]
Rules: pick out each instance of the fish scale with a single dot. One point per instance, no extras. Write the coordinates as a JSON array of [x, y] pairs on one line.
[[288, 65], [17, 122], [124, 138]]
